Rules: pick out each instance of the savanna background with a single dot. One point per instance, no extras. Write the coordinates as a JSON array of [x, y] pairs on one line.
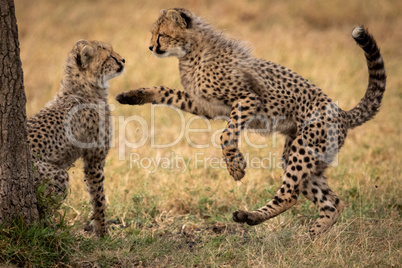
[[176, 216]]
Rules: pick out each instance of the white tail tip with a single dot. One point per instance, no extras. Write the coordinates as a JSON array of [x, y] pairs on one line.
[[357, 31]]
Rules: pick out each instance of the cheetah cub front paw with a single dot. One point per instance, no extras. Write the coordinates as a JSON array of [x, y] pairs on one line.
[[235, 163], [136, 97]]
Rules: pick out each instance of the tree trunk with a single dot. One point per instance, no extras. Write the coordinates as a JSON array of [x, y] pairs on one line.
[[17, 193]]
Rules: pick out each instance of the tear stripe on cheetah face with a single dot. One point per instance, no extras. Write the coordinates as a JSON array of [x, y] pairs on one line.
[[221, 71], [78, 112]]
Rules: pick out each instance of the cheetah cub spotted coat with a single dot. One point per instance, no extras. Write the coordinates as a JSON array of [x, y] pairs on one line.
[[75, 124], [221, 78]]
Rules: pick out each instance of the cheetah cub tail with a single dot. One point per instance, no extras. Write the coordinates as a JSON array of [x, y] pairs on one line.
[[369, 105]]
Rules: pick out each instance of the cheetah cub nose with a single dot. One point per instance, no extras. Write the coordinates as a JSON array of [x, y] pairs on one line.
[[123, 60], [151, 48]]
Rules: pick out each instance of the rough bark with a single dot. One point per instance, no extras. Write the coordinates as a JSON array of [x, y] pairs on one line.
[[17, 194]]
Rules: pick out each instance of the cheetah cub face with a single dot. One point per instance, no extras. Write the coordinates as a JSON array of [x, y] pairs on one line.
[[169, 35], [98, 62]]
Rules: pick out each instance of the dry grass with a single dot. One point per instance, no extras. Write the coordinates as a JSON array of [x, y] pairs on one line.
[[178, 218]]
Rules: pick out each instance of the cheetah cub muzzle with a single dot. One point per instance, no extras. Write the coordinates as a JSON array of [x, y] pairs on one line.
[[75, 124], [221, 78]]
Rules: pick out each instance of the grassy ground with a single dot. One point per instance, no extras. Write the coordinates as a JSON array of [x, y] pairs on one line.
[[177, 216]]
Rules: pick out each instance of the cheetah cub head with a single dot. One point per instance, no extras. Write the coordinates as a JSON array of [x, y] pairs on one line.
[[169, 33], [95, 62]]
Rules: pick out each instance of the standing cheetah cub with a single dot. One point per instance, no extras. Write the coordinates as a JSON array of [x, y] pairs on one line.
[[75, 124], [221, 78]]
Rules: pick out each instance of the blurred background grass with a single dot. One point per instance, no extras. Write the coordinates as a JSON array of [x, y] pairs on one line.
[[311, 37]]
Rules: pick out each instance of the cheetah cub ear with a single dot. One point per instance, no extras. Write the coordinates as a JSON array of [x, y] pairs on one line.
[[174, 16], [86, 53]]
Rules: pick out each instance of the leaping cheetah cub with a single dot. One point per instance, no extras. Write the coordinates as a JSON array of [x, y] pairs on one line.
[[221, 78], [75, 124]]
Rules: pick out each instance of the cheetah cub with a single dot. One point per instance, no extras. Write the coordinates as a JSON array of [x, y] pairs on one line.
[[75, 124], [222, 79]]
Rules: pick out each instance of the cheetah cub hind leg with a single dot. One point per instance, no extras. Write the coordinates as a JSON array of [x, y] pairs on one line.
[[328, 203]]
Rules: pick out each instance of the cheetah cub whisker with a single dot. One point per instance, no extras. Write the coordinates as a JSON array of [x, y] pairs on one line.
[[75, 124], [221, 78]]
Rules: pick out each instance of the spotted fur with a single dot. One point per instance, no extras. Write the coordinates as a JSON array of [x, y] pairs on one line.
[[221, 78], [75, 124]]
